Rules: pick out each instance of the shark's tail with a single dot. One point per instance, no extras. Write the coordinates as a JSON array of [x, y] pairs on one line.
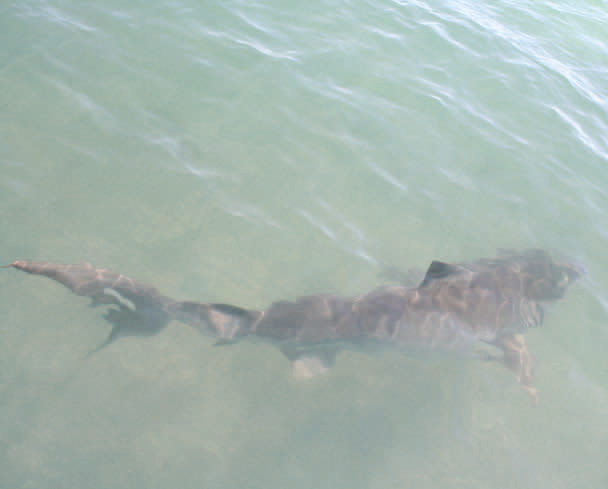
[[142, 309]]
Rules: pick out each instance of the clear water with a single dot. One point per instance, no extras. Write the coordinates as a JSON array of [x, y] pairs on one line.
[[248, 151]]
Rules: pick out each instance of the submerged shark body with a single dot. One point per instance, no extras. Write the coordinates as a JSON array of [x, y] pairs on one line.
[[490, 301]]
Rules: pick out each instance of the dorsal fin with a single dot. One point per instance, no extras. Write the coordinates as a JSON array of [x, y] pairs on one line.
[[438, 270]]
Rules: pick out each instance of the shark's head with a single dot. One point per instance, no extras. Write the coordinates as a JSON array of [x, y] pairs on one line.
[[548, 276]]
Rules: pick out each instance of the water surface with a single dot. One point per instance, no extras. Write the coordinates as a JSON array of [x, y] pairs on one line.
[[248, 151]]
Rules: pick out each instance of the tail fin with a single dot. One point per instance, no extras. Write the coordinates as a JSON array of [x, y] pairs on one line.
[[74, 277], [103, 286], [142, 310]]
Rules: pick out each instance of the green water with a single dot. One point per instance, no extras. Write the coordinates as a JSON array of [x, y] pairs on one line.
[[244, 152]]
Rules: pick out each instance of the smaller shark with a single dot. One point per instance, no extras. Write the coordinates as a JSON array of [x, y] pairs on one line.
[[492, 301]]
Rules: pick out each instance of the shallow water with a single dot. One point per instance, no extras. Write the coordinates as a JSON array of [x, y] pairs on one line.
[[248, 151]]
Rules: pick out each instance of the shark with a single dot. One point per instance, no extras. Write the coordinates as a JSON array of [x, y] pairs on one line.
[[489, 301]]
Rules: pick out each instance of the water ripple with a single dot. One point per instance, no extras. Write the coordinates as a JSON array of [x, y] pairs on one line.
[[54, 15], [85, 102], [583, 136]]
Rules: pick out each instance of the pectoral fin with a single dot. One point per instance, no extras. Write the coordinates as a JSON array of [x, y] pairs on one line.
[[306, 364], [520, 361]]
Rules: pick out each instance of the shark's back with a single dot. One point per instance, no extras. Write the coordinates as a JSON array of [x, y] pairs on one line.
[[454, 304], [491, 300]]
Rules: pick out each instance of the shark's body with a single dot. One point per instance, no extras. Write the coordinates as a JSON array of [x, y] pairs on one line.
[[492, 301]]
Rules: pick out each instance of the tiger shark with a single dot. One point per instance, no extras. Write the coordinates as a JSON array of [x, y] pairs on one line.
[[490, 301]]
